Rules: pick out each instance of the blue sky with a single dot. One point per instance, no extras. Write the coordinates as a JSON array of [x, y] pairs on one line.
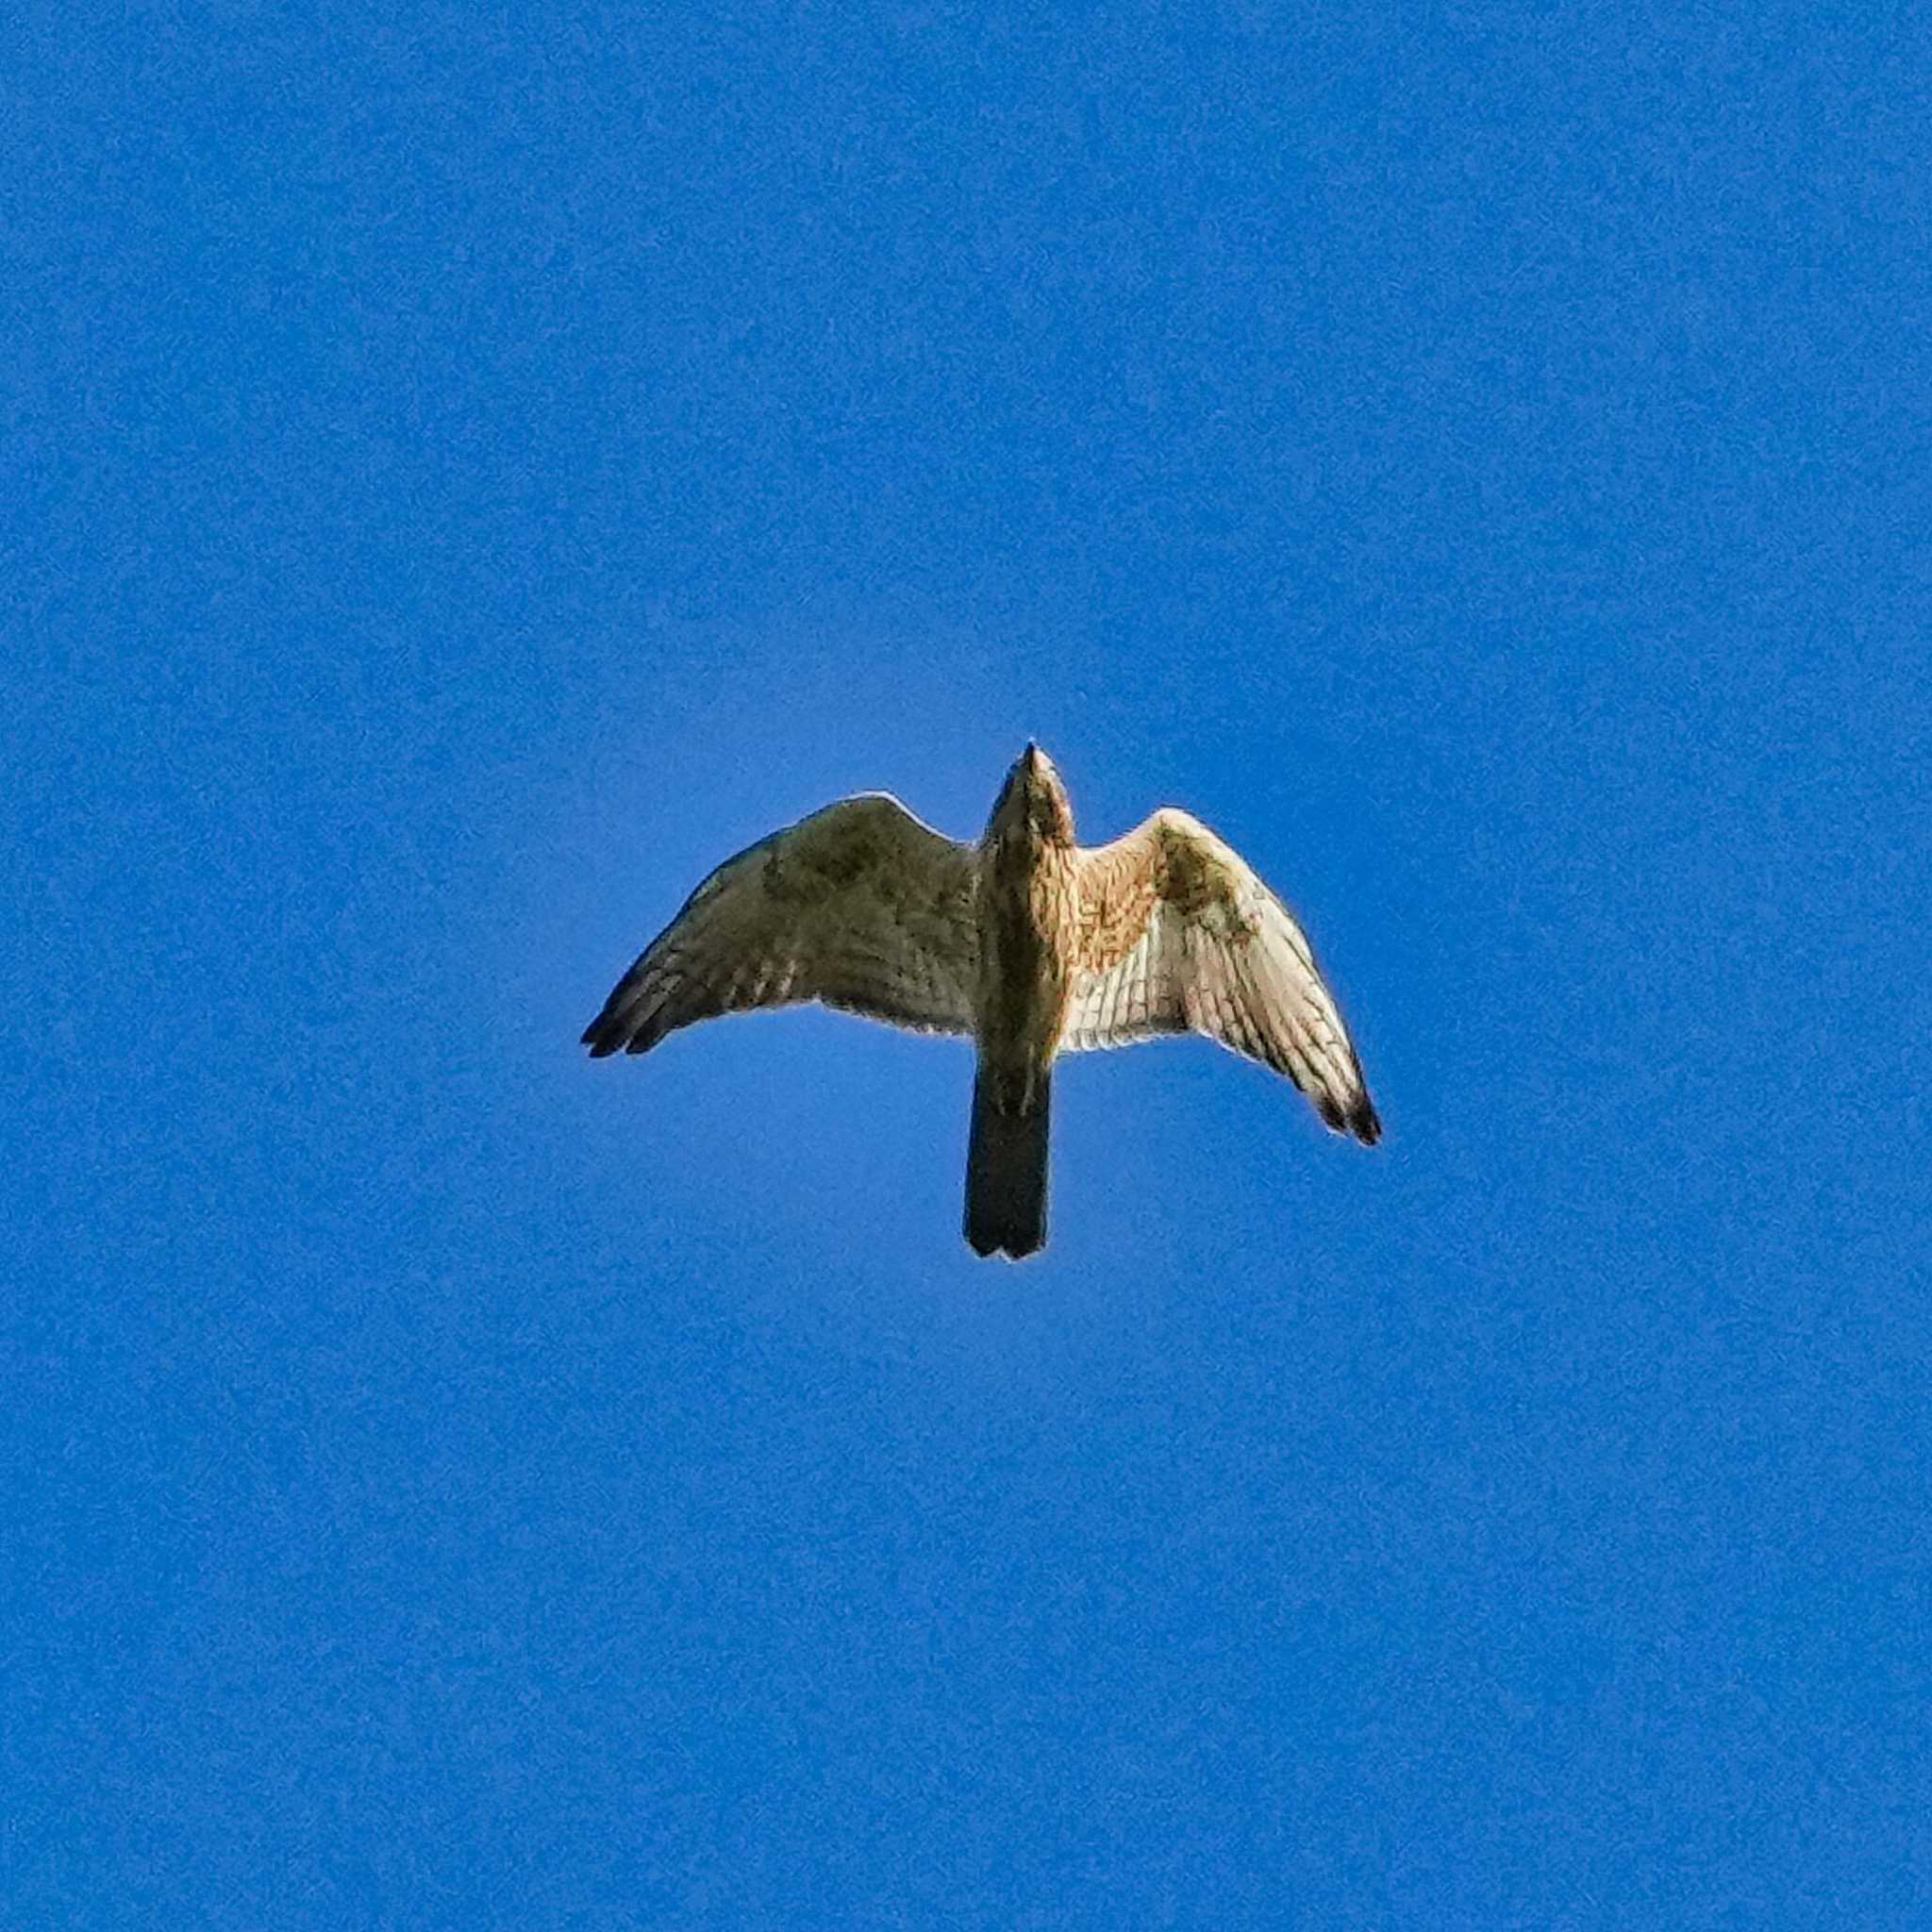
[[470, 474]]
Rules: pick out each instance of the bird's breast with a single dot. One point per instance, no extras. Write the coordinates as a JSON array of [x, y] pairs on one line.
[[1026, 960]]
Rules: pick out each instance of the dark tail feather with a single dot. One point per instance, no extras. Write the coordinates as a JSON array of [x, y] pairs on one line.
[[1006, 1174]]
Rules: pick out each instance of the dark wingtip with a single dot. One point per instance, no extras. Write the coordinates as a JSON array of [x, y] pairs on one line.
[[619, 1038], [1359, 1118], [645, 1031], [630, 1022], [607, 1033]]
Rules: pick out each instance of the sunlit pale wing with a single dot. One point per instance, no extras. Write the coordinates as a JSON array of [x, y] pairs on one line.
[[860, 905], [1178, 935]]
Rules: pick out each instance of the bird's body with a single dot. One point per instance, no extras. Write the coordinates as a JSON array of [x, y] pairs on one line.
[[1027, 915], [1025, 942]]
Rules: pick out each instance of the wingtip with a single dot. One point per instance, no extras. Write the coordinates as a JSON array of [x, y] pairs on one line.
[[606, 1032], [623, 1032], [1359, 1118], [609, 1034]]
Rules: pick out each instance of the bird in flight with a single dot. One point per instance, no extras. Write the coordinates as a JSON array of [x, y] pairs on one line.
[[1027, 942]]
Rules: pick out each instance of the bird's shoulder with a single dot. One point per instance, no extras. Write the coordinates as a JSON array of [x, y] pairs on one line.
[[868, 847], [1173, 863]]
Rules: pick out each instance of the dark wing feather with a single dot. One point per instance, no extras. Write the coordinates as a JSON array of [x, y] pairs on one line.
[[859, 905], [1180, 935]]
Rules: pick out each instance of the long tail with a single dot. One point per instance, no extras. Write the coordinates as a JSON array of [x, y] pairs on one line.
[[1006, 1173]]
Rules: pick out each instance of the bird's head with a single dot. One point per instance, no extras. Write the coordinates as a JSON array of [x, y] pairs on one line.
[[1033, 809]]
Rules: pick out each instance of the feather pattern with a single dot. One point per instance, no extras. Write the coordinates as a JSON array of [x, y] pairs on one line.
[[860, 905], [1178, 934]]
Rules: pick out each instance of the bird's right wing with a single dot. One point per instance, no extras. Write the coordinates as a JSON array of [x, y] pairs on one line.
[[860, 905], [1179, 934]]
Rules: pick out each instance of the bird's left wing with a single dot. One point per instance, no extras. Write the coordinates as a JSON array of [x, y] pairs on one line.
[[860, 905], [1178, 935]]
